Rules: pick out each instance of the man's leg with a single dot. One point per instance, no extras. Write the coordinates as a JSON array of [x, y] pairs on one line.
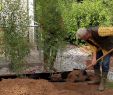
[[105, 70], [97, 70]]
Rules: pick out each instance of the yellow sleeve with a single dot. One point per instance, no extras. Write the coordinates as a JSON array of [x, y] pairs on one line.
[[105, 31], [93, 48]]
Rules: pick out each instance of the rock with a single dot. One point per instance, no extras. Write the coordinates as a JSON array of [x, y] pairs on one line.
[[71, 58], [56, 77]]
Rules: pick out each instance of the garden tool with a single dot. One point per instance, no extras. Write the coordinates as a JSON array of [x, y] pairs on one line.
[[101, 79], [100, 58]]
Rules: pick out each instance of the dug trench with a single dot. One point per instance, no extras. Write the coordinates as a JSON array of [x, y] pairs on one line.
[[60, 83], [70, 76]]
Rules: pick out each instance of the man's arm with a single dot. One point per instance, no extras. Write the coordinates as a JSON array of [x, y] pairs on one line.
[[94, 58], [105, 31], [94, 51]]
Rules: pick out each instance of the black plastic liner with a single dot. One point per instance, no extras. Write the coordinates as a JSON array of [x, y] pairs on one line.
[[34, 76]]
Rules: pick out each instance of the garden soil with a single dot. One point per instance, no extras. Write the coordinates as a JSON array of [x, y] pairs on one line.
[[43, 87]]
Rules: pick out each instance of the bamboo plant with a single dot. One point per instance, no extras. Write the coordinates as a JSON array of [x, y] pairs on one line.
[[14, 23], [52, 31]]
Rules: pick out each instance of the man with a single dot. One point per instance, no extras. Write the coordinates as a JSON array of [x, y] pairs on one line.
[[100, 40]]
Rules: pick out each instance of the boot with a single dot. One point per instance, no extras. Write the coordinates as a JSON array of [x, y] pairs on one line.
[[98, 77], [103, 81]]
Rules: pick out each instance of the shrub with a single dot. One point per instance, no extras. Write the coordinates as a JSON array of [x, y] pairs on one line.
[[86, 14]]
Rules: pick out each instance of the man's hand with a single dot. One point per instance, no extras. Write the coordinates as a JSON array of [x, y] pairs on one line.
[[92, 64], [94, 59]]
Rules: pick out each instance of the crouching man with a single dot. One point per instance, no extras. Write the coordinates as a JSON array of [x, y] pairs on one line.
[[100, 40]]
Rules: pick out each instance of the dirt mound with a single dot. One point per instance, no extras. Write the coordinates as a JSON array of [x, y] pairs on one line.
[[26, 87], [43, 87], [77, 75]]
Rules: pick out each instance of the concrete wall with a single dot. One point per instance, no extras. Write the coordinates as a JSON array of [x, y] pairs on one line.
[[31, 15]]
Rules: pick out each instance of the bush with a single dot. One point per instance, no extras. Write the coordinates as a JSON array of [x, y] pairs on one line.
[[86, 14]]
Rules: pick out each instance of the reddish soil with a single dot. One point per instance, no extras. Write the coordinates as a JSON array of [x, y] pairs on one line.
[[25, 87], [76, 75], [43, 87], [81, 88]]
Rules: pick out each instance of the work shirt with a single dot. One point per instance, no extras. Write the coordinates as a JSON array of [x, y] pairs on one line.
[[102, 31]]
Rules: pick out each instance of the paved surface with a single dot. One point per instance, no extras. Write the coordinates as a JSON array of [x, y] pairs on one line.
[[71, 57]]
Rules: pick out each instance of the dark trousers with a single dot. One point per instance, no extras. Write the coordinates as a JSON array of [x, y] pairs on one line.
[[105, 63]]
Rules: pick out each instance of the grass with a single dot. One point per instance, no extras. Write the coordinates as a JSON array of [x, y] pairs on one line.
[[109, 85]]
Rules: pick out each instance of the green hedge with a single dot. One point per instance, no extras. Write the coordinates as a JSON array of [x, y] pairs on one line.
[[86, 14]]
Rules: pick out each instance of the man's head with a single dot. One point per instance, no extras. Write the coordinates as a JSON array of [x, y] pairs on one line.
[[83, 34]]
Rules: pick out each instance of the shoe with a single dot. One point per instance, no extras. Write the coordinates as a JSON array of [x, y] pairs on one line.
[[103, 81]]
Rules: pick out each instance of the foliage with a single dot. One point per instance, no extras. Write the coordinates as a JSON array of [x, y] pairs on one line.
[[52, 31], [14, 22], [109, 85], [86, 14], [0, 7], [54, 15], [109, 5]]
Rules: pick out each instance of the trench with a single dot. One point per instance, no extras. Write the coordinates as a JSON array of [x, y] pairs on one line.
[[45, 76]]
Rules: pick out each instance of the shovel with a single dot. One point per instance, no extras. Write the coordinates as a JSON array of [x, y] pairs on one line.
[[100, 58]]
